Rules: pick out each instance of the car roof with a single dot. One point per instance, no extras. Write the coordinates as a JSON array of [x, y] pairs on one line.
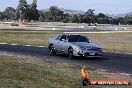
[[70, 34]]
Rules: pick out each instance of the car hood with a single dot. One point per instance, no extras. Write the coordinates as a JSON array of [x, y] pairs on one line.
[[85, 45]]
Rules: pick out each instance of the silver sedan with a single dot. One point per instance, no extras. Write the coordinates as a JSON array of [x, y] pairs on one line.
[[73, 45]]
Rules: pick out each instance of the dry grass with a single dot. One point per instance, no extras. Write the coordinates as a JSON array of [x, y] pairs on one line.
[[26, 38], [39, 26], [23, 27], [115, 42], [27, 73]]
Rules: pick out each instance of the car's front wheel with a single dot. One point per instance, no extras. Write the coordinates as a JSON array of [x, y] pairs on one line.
[[52, 51], [70, 53]]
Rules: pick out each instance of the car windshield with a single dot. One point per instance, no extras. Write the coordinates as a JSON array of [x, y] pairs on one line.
[[77, 38]]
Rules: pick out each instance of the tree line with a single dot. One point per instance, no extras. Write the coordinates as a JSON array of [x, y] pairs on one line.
[[26, 12]]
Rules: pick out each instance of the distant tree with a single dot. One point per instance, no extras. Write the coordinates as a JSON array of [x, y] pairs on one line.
[[48, 16], [10, 13], [33, 13], [22, 10], [90, 15], [102, 19], [101, 15], [75, 19], [66, 18], [129, 21], [55, 14], [1, 15], [115, 21], [84, 18], [5, 16], [41, 16], [121, 20]]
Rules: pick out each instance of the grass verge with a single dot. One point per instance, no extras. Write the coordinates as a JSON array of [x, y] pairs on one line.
[[113, 42], [26, 73], [26, 38]]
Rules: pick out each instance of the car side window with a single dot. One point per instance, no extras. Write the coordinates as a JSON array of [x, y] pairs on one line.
[[63, 38], [59, 37]]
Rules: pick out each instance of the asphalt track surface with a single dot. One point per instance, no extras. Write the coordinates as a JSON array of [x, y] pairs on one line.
[[56, 29], [113, 62]]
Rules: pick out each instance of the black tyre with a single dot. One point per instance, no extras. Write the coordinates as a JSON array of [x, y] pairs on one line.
[[52, 51], [70, 53]]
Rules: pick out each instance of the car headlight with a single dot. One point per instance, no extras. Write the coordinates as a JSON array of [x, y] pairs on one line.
[[77, 48]]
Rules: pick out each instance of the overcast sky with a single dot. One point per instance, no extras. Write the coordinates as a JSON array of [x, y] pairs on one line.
[[103, 6]]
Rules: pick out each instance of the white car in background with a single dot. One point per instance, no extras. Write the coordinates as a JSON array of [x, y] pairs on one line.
[[73, 45]]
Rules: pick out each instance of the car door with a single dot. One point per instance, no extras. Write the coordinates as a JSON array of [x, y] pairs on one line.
[[63, 44], [56, 43]]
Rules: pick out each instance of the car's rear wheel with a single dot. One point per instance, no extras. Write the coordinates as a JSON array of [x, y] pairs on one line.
[[52, 50], [70, 53]]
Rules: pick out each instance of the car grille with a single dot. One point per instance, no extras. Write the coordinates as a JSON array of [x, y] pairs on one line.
[[96, 54]]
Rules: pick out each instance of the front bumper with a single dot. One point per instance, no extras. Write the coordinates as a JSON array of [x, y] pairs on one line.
[[89, 53]]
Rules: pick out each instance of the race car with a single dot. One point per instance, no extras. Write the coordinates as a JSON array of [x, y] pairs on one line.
[[73, 45]]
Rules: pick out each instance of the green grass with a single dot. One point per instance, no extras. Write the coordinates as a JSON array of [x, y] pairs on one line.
[[113, 42], [34, 74], [26, 73], [26, 38]]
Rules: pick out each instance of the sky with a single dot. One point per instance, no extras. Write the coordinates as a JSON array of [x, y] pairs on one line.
[[100, 6]]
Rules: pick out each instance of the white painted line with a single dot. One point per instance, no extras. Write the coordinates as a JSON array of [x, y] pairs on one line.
[[27, 45], [81, 26], [13, 44], [53, 29], [100, 32], [22, 45], [3, 43], [41, 46]]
